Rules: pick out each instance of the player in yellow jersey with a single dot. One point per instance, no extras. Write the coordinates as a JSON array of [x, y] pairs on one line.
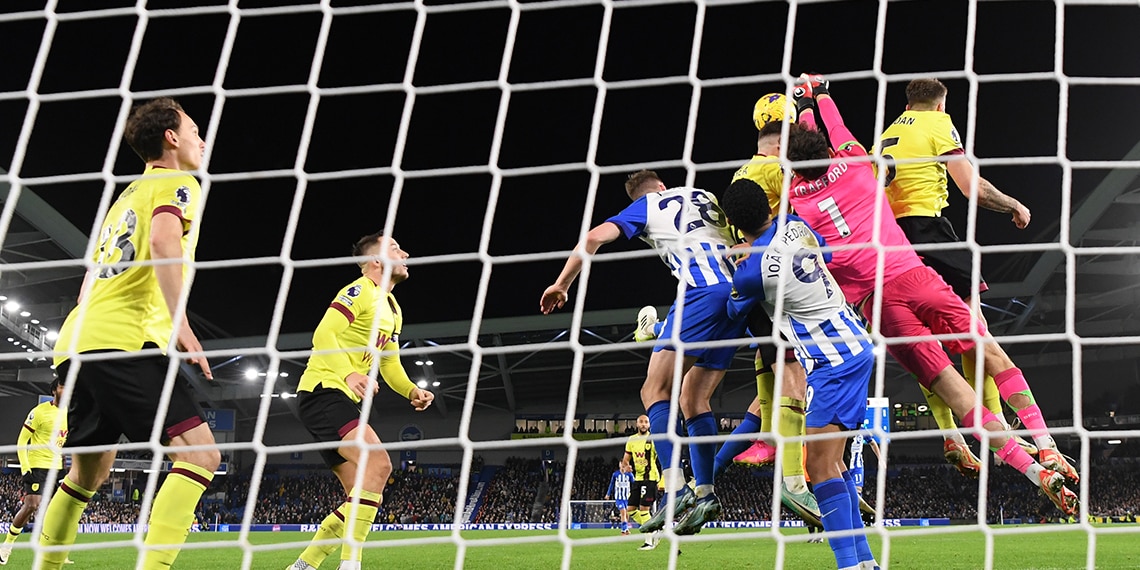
[[126, 306], [336, 380], [917, 191], [641, 456], [764, 169], [39, 429]]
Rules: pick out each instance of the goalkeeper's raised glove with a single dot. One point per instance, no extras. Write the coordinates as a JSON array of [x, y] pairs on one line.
[[802, 94], [818, 83]]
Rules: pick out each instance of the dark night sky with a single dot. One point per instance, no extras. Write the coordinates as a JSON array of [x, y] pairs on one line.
[[443, 215]]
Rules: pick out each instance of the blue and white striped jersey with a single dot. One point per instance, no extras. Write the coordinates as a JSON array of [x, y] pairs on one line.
[[620, 485], [687, 228], [815, 317], [856, 452]]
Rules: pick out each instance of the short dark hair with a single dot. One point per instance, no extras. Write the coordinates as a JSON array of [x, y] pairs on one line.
[[775, 128], [807, 144], [746, 205], [54, 384], [147, 126], [641, 182], [360, 248], [925, 91]]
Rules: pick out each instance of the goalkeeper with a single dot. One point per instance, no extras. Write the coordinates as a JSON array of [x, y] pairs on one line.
[[839, 199], [334, 383]]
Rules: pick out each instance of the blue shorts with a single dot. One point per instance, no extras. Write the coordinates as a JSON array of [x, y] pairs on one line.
[[621, 504], [838, 395], [705, 318]]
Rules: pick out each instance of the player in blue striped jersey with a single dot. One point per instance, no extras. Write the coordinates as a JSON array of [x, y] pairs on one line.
[[620, 485], [789, 278], [855, 468], [689, 231]]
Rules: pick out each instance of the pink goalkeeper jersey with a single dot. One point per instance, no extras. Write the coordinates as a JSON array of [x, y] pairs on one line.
[[840, 206]]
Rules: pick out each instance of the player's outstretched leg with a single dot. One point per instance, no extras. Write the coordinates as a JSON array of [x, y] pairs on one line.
[[1015, 391], [761, 453], [991, 398], [1050, 482], [954, 447], [731, 449]]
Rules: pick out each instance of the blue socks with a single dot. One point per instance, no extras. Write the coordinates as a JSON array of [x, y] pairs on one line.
[[730, 449], [624, 526], [702, 454], [862, 547], [658, 413], [835, 505]]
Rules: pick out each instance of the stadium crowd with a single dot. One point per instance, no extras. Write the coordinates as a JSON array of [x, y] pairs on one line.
[[510, 496], [916, 488]]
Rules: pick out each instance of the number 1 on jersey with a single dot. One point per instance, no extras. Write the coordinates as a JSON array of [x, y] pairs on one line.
[[829, 207]]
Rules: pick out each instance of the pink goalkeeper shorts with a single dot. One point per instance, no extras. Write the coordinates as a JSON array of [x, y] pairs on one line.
[[919, 303]]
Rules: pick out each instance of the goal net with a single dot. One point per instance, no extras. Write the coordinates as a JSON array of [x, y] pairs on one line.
[[594, 514], [488, 137]]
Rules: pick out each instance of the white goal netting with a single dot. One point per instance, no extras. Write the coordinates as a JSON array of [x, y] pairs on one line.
[[488, 136]]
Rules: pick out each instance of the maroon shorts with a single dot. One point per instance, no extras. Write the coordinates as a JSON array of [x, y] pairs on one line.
[[919, 303]]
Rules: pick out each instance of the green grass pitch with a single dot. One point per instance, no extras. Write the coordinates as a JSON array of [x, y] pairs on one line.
[[1061, 547]]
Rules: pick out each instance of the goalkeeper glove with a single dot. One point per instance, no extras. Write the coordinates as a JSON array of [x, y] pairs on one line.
[[802, 95], [818, 83]]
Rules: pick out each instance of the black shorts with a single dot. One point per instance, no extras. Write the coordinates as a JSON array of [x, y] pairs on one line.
[[642, 494], [329, 415], [34, 480], [120, 397], [760, 326], [954, 265]]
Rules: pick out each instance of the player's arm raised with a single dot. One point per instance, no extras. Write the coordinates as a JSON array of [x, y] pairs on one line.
[[989, 197], [166, 232], [554, 297], [831, 121]]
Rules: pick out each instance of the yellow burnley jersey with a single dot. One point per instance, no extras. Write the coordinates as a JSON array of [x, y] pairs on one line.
[[765, 171], [124, 305], [364, 304], [40, 422], [644, 457], [919, 188]]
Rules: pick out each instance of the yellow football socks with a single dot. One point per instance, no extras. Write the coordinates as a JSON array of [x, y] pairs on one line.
[[61, 522], [792, 425], [765, 388], [332, 527], [991, 398], [361, 523], [173, 512]]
